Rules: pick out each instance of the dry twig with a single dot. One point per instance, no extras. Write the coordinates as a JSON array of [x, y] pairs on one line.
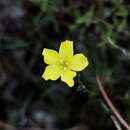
[[110, 104]]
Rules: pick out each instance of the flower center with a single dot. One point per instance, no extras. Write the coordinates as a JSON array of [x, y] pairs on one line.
[[64, 64]]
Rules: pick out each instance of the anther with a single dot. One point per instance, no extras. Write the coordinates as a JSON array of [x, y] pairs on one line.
[[61, 60], [64, 68], [66, 63]]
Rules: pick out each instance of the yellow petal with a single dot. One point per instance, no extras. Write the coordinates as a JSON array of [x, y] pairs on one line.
[[52, 72], [79, 62], [67, 77], [66, 49], [50, 56]]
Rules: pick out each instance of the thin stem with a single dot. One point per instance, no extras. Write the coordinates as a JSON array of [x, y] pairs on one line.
[[110, 104], [116, 123]]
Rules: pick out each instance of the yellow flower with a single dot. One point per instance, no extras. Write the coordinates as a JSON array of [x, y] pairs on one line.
[[64, 64]]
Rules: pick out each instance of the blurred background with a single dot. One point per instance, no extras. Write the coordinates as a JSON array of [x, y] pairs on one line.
[[99, 28]]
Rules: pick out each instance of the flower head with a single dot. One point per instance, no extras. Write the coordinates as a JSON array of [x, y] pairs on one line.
[[64, 64]]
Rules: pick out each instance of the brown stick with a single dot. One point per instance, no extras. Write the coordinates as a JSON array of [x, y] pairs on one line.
[[110, 104]]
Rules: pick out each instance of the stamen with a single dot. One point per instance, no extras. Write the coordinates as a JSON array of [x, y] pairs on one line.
[[64, 64], [64, 68], [61, 60]]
